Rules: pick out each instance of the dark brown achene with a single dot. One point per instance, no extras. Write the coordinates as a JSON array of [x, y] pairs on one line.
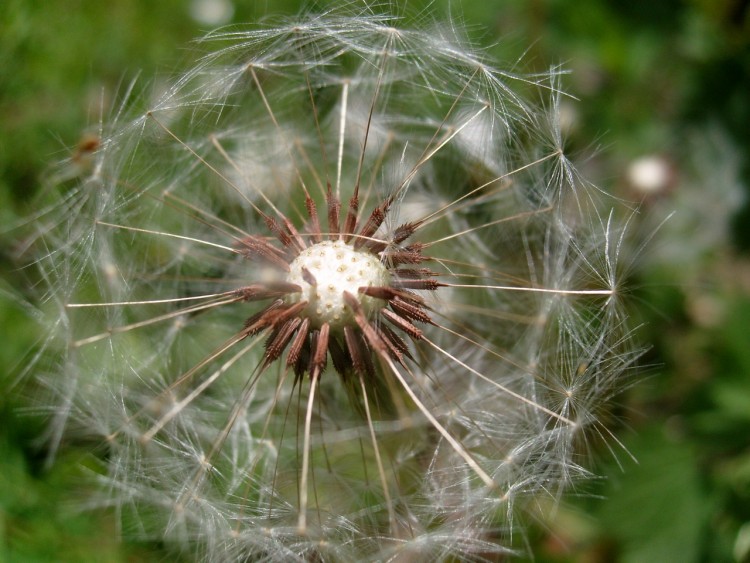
[[343, 280]]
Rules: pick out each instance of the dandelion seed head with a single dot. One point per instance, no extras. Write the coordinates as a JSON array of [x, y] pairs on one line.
[[338, 295]]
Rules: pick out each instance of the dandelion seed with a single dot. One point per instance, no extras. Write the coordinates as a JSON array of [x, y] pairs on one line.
[[336, 301]]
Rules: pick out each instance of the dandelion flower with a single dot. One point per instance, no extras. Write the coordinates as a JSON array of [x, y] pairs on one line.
[[337, 294]]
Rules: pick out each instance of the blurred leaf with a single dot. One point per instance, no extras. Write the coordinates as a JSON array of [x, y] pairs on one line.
[[734, 337], [657, 509], [733, 399]]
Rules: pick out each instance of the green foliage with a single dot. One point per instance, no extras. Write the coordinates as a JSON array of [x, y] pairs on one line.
[[661, 492]]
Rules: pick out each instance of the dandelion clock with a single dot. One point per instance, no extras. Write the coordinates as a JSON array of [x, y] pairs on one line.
[[336, 293]]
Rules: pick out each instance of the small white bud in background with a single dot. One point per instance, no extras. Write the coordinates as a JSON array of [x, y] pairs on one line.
[[212, 12], [650, 175]]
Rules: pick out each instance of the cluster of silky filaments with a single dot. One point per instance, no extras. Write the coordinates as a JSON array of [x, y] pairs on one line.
[[458, 390]]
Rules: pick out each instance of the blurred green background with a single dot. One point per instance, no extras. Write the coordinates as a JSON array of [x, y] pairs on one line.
[[662, 119]]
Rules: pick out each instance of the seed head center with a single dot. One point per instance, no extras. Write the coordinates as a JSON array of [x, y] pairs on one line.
[[325, 271]]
